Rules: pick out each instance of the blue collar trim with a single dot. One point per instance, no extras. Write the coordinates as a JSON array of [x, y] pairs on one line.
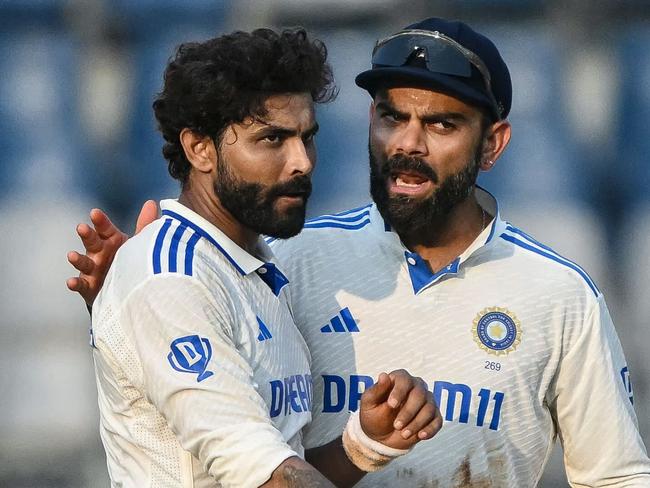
[[421, 275], [273, 277]]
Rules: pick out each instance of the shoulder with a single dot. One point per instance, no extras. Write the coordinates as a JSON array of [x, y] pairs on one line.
[[338, 229], [541, 261], [164, 246], [165, 250]]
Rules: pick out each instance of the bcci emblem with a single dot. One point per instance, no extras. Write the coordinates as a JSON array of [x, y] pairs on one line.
[[191, 354], [497, 330]]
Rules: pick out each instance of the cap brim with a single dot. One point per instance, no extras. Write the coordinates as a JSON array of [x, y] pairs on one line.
[[455, 86]]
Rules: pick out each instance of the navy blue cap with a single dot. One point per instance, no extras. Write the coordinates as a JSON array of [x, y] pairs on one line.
[[471, 89]]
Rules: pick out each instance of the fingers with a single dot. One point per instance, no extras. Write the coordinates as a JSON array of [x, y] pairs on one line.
[[426, 422], [89, 238], [81, 286], [416, 399], [77, 284], [72, 284], [377, 393], [432, 428], [403, 383], [399, 410], [103, 225], [418, 412], [148, 214], [81, 262]]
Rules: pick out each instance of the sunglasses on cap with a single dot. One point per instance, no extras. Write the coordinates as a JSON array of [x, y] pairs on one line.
[[436, 51]]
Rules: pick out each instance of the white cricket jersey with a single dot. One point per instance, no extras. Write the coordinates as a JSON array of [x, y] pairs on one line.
[[515, 342], [202, 377]]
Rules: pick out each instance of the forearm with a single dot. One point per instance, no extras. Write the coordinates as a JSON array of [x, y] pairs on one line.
[[296, 473], [334, 464]]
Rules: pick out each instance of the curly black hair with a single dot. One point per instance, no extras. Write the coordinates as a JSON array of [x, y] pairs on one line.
[[210, 85]]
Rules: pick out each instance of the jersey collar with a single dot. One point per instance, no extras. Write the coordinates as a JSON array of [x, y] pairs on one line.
[[241, 260], [419, 272]]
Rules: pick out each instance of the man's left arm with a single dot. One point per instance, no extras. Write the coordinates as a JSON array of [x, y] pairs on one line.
[[592, 405]]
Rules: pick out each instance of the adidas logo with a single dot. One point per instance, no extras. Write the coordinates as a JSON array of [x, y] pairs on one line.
[[265, 333], [342, 322]]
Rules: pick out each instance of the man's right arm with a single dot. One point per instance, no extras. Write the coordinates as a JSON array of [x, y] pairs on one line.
[[178, 350]]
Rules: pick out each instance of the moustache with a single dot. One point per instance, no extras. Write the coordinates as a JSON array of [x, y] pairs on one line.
[[298, 186], [400, 162]]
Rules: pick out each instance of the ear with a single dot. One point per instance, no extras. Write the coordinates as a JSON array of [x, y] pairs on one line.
[[199, 150], [371, 111], [496, 140]]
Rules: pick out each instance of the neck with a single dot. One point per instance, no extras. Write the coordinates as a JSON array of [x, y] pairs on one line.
[[202, 200], [450, 236]]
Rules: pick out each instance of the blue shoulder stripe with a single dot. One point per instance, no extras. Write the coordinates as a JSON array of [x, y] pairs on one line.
[[529, 238], [157, 248], [337, 225], [173, 248], [520, 232], [189, 252], [204, 234], [341, 217], [327, 218], [554, 257]]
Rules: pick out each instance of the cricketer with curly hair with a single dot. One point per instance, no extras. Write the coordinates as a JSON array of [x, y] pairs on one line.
[[201, 373]]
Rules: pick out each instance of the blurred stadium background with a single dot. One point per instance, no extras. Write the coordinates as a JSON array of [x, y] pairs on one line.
[[76, 131]]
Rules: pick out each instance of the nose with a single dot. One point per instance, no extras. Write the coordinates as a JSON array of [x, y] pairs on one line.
[[411, 139], [300, 158]]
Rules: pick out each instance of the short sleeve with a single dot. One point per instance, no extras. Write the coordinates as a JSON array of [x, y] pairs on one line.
[[190, 368], [592, 406]]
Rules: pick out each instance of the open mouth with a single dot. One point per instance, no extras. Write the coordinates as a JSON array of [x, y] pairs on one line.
[[408, 183]]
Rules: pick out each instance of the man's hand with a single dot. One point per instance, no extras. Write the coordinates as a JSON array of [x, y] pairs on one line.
[[399, 411], [101, 244]]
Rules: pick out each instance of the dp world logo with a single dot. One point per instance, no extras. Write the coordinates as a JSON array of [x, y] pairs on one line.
[[191, 354]]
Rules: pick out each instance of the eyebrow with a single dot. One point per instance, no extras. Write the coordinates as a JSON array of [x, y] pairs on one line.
[[427, 118], [279, 130]]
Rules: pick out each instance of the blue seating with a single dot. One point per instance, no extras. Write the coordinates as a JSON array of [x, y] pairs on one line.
[[40, 132], [630, 172], [15, 14], [341, 176], [542, 162], [169, 12], [153, 30], [524, 6], [632, 169]]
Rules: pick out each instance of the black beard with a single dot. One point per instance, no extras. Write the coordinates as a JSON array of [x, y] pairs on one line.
[[417, 221], [252, 204]]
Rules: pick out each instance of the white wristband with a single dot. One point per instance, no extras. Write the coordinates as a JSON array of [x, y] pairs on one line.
[[365, 453]]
